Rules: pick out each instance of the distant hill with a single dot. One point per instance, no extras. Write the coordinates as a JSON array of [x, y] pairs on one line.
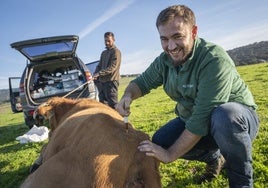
[[250, 54], [4, 95]]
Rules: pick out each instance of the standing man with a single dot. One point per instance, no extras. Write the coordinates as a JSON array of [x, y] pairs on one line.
[[107, 74], [216, 121]]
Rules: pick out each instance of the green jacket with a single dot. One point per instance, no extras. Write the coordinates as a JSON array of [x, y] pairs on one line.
[[208, 78]]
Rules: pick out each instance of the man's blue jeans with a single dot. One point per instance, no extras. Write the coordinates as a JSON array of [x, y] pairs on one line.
[[232, 130]]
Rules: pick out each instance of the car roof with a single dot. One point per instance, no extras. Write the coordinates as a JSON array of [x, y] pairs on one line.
[[47, 48]]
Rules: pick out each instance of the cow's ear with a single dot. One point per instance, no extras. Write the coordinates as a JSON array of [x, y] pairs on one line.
[[53, 122], [49, 114]]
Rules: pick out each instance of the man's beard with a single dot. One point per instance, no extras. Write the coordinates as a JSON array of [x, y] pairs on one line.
[[186, 53], [180, 61]]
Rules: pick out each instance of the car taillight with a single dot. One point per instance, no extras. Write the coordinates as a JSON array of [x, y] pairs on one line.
[[22, 87], [88, 76], [31, 112]]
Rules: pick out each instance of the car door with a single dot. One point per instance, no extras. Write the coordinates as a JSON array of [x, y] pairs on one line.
[[14, 94], [92, 66]]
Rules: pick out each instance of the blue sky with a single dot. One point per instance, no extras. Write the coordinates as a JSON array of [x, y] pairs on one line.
[[229, 23]]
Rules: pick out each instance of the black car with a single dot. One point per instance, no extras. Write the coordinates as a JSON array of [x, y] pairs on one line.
[[14, 94], [52, 69]]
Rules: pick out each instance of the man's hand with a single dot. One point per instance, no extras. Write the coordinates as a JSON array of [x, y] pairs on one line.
[[131, 93], [123, 107], [182, 145], [154, 150]]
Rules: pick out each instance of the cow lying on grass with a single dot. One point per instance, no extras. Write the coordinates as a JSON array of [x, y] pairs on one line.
[[90, 147]]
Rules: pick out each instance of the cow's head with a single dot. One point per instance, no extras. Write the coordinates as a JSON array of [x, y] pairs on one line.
[[42, 113], [56, 107], [52, 111]]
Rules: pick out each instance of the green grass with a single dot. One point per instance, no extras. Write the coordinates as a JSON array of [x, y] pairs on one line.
[[147, 114]]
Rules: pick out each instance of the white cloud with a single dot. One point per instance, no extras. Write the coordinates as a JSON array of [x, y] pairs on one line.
[[138, 61], [244, 36], [118, 7]]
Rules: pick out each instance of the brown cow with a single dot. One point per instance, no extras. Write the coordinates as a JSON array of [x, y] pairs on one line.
[[90, 147]]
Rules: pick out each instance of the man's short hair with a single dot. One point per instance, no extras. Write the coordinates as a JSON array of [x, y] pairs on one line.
[[176, 11], [107, 34]]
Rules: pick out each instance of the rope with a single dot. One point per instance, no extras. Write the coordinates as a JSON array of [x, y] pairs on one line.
[[72, 91]]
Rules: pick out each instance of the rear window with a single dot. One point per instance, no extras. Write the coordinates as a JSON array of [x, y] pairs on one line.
[[60, 47]]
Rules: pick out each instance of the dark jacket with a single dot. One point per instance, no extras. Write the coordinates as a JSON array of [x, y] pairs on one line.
[[109, 65]]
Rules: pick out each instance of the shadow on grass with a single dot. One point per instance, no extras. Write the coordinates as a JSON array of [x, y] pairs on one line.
[[10, 132], [189, 181], [8, 141], [18, 176], [15, 157]]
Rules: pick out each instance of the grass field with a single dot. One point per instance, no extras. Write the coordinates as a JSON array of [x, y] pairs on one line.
[[147, 114]]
